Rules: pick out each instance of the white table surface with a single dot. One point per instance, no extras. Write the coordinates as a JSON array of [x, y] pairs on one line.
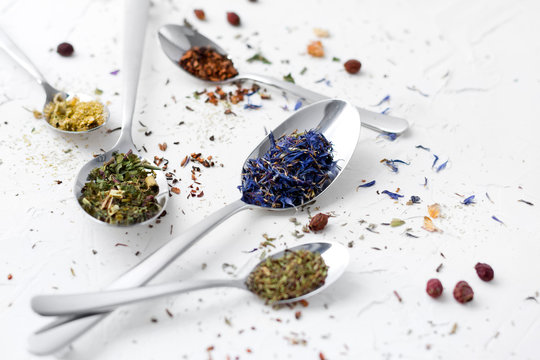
[[477, 64]]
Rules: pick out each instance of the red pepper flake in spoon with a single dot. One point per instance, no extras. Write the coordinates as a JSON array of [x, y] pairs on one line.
[[207, 64]]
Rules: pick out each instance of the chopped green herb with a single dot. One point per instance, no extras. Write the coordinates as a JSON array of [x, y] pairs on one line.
[[294, 274], [259, 57], [122, 191], [98, 91], [303, 71], [336, 59], [288, 78]]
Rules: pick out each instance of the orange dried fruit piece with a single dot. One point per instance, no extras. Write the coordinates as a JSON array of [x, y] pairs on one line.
[[434, 210], [315, 48]]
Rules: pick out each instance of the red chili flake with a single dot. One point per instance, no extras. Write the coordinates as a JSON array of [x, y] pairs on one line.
[[185, 161], [318, 222], [120, 244], [398, 297], [303, 302], [175, 190], [321, 356], [157, 160], [9, 277], [484, 271], [210, 348], [233, 19], [199, 13], [201, 194], [163, 146], [298, 315], [169, 313], [463, 292], [58, 181], [434, 288], [248, 350]]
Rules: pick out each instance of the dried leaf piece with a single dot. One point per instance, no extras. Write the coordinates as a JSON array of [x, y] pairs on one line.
[[322, 33], [175, 190], [434, 210], [163, 146], [429, 226], [396, 222]]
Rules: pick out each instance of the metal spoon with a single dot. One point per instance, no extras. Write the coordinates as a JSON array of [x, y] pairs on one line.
[[334, 255], [132, 57], [16, 54], [338, 120], [176, 40]]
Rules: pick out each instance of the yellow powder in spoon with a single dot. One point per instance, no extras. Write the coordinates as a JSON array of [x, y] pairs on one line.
[[73, 114]]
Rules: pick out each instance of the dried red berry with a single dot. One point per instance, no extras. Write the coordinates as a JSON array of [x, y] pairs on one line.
[[65, 49], [318, 222], [353, 66], [233, 19], [434, 288], [199, 13], [463, 292], [484, 271]]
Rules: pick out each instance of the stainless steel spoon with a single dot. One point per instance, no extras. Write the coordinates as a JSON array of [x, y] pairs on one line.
[[334, 255], [338, 120], [132, 57], [176, 40], [16, 54]]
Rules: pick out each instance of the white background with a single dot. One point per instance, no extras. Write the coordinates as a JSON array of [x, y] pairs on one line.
[[476, 62]]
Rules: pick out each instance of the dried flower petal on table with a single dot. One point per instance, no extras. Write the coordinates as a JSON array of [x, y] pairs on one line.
[[435, 160], [384, 99], [414, 200], [429, 226], [369, 184], [497, 220], [434, 210], [396, 222], [392, 195], [442, 166], [322, 33], [315, 49], [423, 147], [469, 200]]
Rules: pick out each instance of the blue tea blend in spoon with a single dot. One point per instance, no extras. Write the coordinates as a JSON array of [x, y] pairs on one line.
[[292, 172]]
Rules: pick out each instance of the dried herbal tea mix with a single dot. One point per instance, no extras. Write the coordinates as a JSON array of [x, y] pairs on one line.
[[122, 191], [293, 171], [294, 274], [207, 64], [73, 114]]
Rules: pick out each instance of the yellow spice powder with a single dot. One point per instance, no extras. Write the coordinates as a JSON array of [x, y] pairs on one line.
[[73, 114]]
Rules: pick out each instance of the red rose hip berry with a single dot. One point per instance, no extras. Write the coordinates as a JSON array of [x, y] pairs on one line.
[[463, 292], [484, 271], [65, 49], [233, 19], [434, 288], [318, 222], [352, 66]]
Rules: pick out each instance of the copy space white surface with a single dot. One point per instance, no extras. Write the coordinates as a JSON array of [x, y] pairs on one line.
[[475, 65]]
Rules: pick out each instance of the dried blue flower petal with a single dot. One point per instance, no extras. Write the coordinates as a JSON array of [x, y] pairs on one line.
[[495, 218], [392, 195], [487, 195], [369, 184], [423, 147], [435, 161], [425, 181], [115, 72], [469, 200], [293, 171], [390, 136], [526, 202], [385, 111], [384, 99], [252, 106], [391, 163], [320, 81], [443, 166], [298, 105], [415, 199]]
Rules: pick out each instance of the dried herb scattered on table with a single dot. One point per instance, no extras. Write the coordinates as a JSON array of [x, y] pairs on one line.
[[294, 274], [292, 172], [207, 64], [122, 191], [73, 114]]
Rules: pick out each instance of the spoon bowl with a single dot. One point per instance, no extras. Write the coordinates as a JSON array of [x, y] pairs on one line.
[[16, 54], [335, 256], [175, 40]]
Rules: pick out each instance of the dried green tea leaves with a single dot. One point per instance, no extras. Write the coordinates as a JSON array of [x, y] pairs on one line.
[[122, 192], [294, 274]]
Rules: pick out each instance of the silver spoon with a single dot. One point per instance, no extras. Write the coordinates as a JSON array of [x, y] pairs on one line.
[[337, 120], [334, 255], [176, 40], [132, 57], [16, 54]]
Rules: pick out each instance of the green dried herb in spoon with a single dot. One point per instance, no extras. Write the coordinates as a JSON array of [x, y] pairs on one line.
[[292, 275], [122, 191]]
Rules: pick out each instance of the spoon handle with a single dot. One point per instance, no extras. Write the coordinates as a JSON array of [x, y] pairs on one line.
[[100, 301], [65, 330], [134, 30], [16, 54], [370, 119]]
